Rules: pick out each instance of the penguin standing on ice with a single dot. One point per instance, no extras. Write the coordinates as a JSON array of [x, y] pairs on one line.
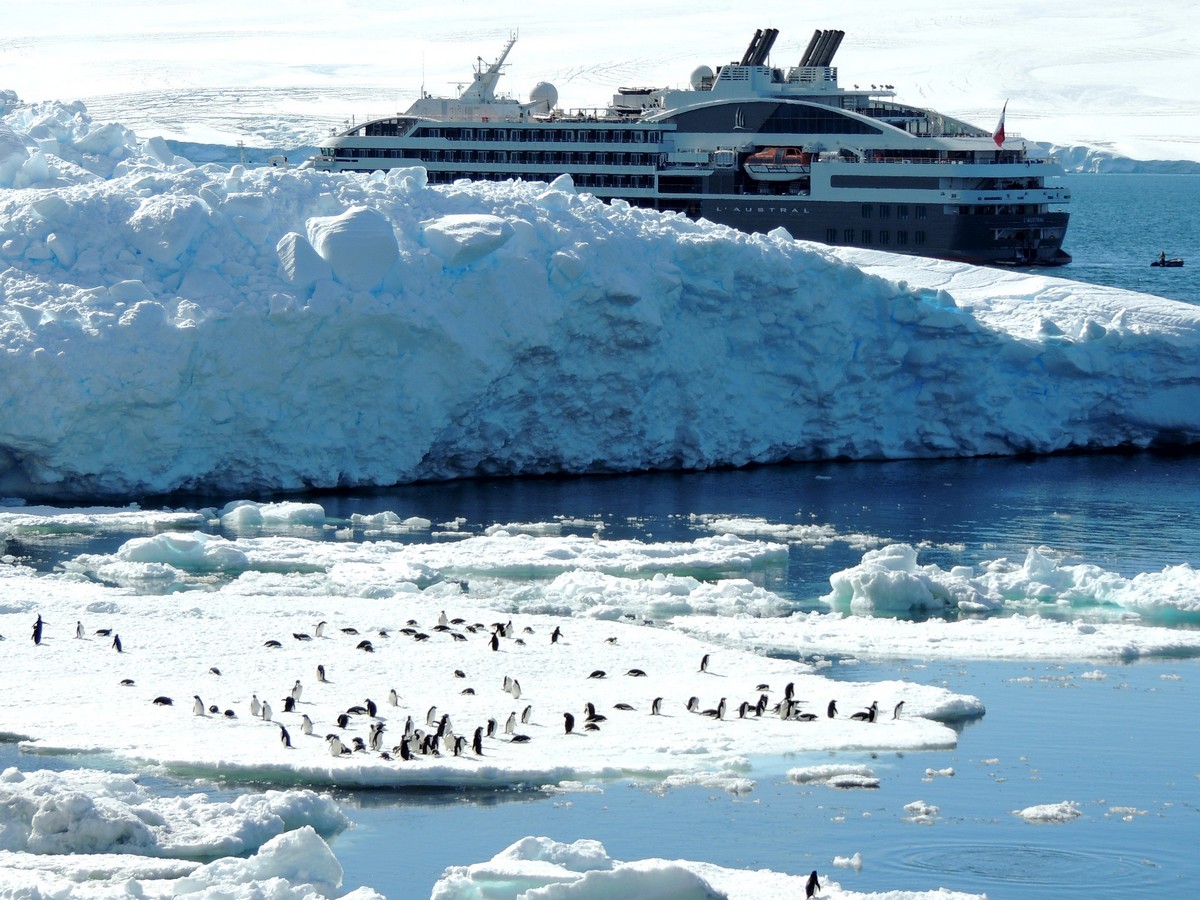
[[255, 706], [284, 737], [568, 723], [656, 707], [197, 705], [117, 643], [305, 724], [296, 689], [477, 741], [37, 630], [78, 630], [704, 663], [321, 674], [813, 885], [831, 710]]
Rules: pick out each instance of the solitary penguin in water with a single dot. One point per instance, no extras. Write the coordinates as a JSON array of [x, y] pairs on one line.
[[831, 710], [656, 707], [811, 888], [284, 737], [78, 630], [568, 723], [704, 663], [37, 630], [321, 675], [197, 705], [117, 643]]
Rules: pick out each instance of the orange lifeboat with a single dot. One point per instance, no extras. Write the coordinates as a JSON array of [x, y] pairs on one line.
[[778, 164]]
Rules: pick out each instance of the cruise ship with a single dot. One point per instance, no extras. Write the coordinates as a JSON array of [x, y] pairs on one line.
[[752, 146]]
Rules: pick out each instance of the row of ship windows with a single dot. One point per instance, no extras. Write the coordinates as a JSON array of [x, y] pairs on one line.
[[545, 135], [600, 182], [868, 210], [503, 157], [865, 237]]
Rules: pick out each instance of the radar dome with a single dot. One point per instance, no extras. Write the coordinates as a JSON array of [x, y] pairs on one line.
[[702, 76], [544, 96]]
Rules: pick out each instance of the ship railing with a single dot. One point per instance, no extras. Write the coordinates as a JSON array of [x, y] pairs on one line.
[[902, 160]]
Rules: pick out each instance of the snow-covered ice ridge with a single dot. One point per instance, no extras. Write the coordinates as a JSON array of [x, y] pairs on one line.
[[174, 327]]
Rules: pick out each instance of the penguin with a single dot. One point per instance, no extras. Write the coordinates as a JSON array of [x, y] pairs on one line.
[[511, 725], [743, 708], [255, 706], [568, 723], [163, 701], [393, 698], [636, 673], [296, 690], [867, 715], [704, 663], [431, 716], [371, 708], [718, 713], [525, 713], [102, 632], [491, 727], [811, 888], [515, 689], [117, 643], [266, 711], [520, 739], [507, 685], [896, 711], [343, 720], [592, 715], [305, 724], [197, 705], [459, 673], [336, 747], [78, 630], [477, 741], [289, 704], [494, 641], [273, 644], [831, 710], [230, 714], [785, 709], [376, 736], [284, 737], [349, 631], [460, 745], [656, 707], [789, 692], [623, 706], [591, 726], [214, 709], [442, 620], [319, 628], [321, 675], [555, 635], [214, 671], [763, 687], [693, 704], [405, 751], [37, 630], [126, 682], [599, 673], [301, 636], [366, 646]]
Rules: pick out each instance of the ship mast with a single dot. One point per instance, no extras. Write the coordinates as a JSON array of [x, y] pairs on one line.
[[483, 88]]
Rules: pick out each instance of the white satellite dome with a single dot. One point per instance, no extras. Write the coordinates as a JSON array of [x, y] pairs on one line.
[[701, 75], [544, 96]]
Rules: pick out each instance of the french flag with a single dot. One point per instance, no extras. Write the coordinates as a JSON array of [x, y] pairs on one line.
[[998, 134]]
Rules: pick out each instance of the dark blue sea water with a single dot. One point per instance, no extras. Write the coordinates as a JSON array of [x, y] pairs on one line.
[[1122, 747]]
